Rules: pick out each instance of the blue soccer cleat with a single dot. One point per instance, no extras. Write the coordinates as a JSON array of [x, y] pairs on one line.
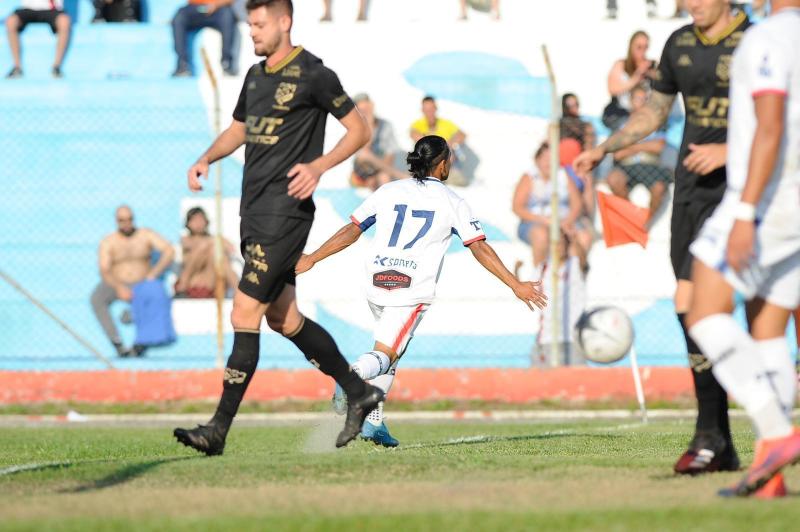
[[378, 434]]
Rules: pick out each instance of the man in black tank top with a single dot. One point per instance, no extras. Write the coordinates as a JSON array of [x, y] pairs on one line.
[[280, 118], [695, 62]]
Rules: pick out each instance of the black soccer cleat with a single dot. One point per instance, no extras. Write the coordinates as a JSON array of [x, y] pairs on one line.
[[357, 411], [208, 439], [708, 452]]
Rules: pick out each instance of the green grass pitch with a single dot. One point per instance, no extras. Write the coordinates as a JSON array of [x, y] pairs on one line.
[[597, 475]]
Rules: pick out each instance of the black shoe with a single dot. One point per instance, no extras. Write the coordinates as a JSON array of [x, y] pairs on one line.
[[208, 439], [121, 351], [708, 452], [182, 72], [357, 411], [56, 72], [137, 351], [15, 73]]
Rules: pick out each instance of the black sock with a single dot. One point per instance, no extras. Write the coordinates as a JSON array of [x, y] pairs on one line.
[[712, 399], [238, 373], [320, 349]]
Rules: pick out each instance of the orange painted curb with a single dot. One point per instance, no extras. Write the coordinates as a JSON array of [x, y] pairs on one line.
[[509, 385]]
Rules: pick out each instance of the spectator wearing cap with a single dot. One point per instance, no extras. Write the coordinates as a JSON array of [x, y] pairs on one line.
[[50, 12], [373, 165]]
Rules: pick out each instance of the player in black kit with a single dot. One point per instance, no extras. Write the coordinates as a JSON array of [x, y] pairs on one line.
[[280, 117], [695, 62]]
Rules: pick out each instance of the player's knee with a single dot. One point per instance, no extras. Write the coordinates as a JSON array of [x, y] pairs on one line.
[[244, 318], [62, 22], [12, 23], [276, 323]]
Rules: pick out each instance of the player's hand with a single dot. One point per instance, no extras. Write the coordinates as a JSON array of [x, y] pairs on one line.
[[198, 170], [587, 160], [303, 265], [531, 292], [124, 293], [705, 158], [304, 180], [740, 245]]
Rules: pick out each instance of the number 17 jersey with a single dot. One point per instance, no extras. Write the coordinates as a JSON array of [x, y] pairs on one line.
[[414, 221]]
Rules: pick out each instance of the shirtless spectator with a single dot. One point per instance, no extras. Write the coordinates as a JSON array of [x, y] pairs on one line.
[[373, 165], [198, 274], [125, 259]]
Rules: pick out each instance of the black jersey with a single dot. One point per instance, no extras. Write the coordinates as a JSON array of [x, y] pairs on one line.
[[284, 109], [699, 68]]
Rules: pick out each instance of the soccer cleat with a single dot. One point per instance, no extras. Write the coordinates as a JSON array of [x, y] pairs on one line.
[[339, 401], [357, 411], [707, 453], [208, 439], [378, 434], [56, 72], [15, 73], [771, 456]]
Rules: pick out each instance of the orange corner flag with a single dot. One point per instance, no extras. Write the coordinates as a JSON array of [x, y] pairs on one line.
[[623, 222]]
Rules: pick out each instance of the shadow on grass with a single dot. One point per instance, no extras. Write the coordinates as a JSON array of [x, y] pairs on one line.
[[481, 439], [125, 474]]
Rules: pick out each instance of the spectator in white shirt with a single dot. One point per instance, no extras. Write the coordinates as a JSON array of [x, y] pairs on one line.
[[50, 12]]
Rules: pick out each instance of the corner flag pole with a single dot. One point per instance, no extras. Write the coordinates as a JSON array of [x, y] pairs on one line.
[[555, 224], [219, 255], [637, 383]]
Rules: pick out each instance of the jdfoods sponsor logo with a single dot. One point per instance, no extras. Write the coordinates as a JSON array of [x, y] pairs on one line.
[[391, 280]]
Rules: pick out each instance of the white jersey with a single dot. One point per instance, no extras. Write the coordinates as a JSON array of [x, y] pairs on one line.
[[766, 61], [42, 5], [414, 220]]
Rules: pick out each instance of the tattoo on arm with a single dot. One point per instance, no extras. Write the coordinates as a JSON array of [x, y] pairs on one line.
[[642, 122]]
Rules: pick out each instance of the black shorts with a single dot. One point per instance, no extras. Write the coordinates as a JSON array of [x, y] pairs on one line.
[[35, 16], [271, 246], [687, 220], [646, 174]]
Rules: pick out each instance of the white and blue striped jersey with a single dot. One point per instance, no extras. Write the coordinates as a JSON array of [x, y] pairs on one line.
[[414, 221]]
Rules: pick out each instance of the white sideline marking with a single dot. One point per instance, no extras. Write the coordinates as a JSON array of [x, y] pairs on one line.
[[310, 417]]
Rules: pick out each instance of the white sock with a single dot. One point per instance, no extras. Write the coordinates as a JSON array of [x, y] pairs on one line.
[[739, 369], [384, 382], [777, 360], [371, 364]]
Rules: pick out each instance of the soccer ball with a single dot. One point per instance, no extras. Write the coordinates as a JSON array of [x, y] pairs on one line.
[[604, 334]]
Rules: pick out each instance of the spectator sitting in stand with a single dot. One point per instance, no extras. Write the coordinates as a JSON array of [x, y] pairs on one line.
[[124, 258], [531, 203], [363, 5], [625, 74], [48, 12], [641, 163], [611, 9], [117, 11], [198, 14], [373, 165], [198, 272], [572, 126], [484, 6], [431, 124]]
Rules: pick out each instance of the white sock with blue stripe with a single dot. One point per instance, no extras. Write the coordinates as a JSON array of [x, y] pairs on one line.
[[371, 364]]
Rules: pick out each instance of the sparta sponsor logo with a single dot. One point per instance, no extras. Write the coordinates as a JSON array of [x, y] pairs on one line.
[[391, 280], [393, 261]]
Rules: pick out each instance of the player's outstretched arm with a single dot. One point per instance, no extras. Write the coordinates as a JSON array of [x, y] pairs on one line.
[[770, 122], [529, 292], [343, 238], [305, 177], [225, 144], [639, 125]]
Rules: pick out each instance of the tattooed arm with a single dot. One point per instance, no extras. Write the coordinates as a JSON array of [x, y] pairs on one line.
[[639, 125]]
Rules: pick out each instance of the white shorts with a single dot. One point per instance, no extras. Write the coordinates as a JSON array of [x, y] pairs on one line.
[[774, 273], [395, 326]]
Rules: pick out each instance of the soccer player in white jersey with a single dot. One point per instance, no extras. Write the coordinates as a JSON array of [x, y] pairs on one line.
[[415, 219], [752, 244]]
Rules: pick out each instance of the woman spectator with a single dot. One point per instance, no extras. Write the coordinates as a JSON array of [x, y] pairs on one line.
[[531, 204], [635, 70]]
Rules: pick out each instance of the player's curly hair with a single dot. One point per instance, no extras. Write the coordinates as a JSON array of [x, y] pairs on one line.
[[428, 152]]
